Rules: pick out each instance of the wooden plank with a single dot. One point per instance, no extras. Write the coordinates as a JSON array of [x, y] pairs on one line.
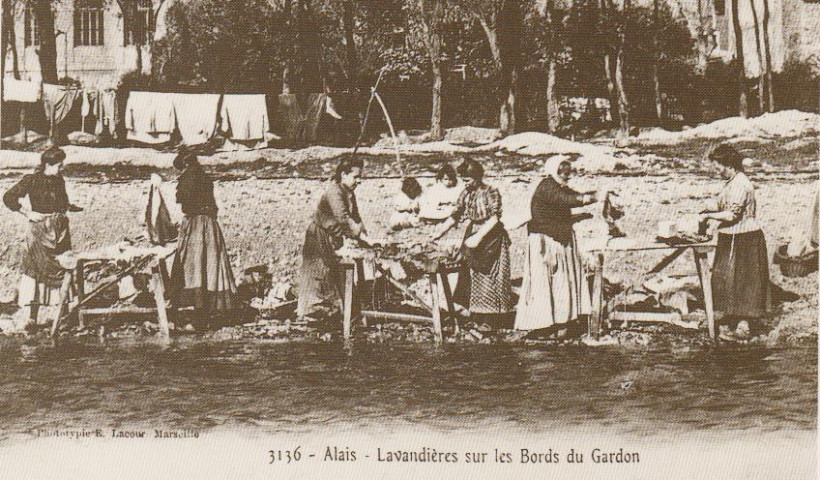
[[596, 317], [667, 260], [79, 278], [645, 317], [448, 297], [123, 310], [348, 301], [636, 244], [397, 317], [159, 297], [436, 308], [705, 276]]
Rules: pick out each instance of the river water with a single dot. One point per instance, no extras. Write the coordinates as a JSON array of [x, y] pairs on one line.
[[300, 385]]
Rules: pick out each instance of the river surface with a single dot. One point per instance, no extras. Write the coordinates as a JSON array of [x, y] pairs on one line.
[[298, 386]]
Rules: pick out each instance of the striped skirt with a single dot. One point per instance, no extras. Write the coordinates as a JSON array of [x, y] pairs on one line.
[[554, 289]]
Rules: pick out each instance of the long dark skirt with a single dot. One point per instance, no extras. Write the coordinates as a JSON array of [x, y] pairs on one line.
[[321, 282], [740, 275], [201, 276]]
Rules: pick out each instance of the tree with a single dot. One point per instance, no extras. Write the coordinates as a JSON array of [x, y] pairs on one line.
[[9, 42], [349, 26], [768, 52], [743, 104], [656, 58], [429, 15], [510, 26], [761, 78], [553, 112], [623, 101], [47, 52]]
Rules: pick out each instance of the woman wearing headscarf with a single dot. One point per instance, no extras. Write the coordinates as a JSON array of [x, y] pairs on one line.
[[201, 275], [554, 290], [740, 274], [48, 234], [321, 280], [484, 288]]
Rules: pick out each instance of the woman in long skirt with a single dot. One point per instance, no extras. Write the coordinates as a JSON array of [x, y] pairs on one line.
[[484, 287], [48, 234], [740, 274], [201, 275], [321, 282], [554, 290]]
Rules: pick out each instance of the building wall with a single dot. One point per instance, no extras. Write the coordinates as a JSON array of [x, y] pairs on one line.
[[794, 33], [94, 66]]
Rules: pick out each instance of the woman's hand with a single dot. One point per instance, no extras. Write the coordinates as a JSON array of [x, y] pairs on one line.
[[34, 216], [472, 241], [74, 208]]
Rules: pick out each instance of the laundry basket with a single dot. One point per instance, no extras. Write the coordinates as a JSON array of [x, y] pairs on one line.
[[796, 266]]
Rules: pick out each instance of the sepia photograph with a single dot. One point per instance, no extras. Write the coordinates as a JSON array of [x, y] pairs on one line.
[[409, 239]]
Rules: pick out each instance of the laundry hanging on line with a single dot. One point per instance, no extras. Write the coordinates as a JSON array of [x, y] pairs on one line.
[[150, 117], [196, 116], [20, 91], [58, 101]]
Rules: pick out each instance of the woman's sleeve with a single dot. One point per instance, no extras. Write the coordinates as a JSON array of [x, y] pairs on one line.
[[14, 194], [736, 197], [461, 204], [495, 203], [552, 194], [335, 199]]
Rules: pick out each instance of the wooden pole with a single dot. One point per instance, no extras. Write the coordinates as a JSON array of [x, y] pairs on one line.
[[348, 301], [596, 317], [436, 309], [79, 278], [396, 317], [159, 297], [65, 290], [392, 132], [448, 297], [367, 112], [705, 276]]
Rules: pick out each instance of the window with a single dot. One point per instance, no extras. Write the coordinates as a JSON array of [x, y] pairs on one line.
[[89, 23], [145, 29], [32, 33]]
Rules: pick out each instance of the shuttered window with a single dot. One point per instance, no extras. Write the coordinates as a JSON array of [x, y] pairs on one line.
[[31, 32]]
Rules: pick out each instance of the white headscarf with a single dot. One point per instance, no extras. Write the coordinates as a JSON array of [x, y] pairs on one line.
[[553, 164]]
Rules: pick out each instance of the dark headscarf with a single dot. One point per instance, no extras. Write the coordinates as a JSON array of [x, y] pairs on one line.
[[727, 156], [52, 156]]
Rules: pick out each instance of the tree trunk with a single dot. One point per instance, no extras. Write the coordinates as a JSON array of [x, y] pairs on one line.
[[553, 112], [761, 78], [349, 20], [610, 79], [289, 27], [623, 102], [656, 59], [509, 42], [10, 38], [492, 40], [48, 41], [436, 132], [743, 104], [768, 52]]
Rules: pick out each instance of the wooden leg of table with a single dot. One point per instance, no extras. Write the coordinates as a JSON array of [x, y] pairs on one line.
[[596, 317], [705, 276], [79, 278], [436, 308], [65, 289], [348, 301], [159, 297], [360, 279], [448, 297]]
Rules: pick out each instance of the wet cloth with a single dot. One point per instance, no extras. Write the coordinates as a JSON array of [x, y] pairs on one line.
[[201, 275], [320, 276], [554, 289], [439, 201], [484, 286], [150, 117], [244, 117], [196, 116], [58, 101], [158, 224], [740, 275]]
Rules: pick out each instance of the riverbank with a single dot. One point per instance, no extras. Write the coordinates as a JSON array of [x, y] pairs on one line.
[[273, 234]]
